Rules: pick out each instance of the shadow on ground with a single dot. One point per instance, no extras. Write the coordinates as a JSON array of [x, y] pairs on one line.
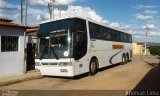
[[151, 80]]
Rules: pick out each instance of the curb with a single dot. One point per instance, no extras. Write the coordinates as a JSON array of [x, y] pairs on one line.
[[19, 79]]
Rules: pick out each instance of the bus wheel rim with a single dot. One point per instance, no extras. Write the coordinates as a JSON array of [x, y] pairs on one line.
[[123, 59], [93, 67]]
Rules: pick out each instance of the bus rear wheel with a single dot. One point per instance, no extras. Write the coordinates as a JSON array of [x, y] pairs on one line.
[[123, 60], [127, 57], [93, 67]]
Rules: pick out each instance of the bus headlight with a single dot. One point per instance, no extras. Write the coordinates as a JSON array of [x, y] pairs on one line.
[[65, 64], [37, 64]]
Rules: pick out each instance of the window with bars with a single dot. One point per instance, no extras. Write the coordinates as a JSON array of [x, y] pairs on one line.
[[9, 43]]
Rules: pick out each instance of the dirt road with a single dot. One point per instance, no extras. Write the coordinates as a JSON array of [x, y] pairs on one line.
[[141, 73]]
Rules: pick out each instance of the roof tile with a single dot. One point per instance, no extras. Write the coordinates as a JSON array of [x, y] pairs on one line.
[[5, 20], [2, 23]]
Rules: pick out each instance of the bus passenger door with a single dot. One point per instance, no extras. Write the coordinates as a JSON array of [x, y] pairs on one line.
[[80, 50], [80, 45]]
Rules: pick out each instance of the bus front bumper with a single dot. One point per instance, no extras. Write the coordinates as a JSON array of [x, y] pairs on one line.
[[64, 71]]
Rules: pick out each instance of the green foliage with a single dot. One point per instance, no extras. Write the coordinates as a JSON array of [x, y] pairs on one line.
[[155, 50]]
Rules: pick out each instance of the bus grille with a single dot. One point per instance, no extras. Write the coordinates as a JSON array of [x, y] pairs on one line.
[[49, 63]]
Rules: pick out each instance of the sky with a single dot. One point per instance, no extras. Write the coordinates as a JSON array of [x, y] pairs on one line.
[[132, 16]]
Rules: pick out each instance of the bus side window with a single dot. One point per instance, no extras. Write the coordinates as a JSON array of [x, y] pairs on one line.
[[107, 36], [129, 39], [94, 30], [124, 37]]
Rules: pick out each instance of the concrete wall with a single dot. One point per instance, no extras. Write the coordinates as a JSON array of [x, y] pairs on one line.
[[12, 63]]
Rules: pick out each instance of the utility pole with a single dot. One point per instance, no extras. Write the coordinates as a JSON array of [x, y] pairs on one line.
[[26, 13], [52, 2], [59, 9], [147, 29], [25, 59], [22, 12], [50, 10]]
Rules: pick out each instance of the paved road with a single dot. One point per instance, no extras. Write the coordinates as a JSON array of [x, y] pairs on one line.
[[141, 73]]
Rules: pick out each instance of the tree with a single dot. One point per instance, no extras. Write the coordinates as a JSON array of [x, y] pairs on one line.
[[155, 50]]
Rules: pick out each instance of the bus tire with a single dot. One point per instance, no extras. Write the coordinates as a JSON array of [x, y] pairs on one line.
[[123, 59], [127, 57], [93, 68]]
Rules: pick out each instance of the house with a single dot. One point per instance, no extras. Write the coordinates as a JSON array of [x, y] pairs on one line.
[[139, 49], [12, 59]]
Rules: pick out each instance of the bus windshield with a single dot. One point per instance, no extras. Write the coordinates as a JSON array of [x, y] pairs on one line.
[[58, 45], [62, 39], [43, 45]]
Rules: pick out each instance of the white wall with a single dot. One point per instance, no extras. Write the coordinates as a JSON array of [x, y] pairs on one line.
[[12, 63]]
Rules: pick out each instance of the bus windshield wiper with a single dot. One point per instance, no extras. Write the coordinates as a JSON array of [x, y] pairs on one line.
[[43, 52], [53, 51]]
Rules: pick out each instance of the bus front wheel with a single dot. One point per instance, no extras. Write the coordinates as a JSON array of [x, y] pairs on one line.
[[93, 67]]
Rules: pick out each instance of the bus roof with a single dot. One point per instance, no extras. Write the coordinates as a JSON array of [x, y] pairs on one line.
[[87, 19]]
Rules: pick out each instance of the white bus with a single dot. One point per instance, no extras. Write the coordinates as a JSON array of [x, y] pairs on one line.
[[73, 46]]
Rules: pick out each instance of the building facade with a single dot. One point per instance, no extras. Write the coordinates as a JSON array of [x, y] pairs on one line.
[[11, 48], [139, 49]]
